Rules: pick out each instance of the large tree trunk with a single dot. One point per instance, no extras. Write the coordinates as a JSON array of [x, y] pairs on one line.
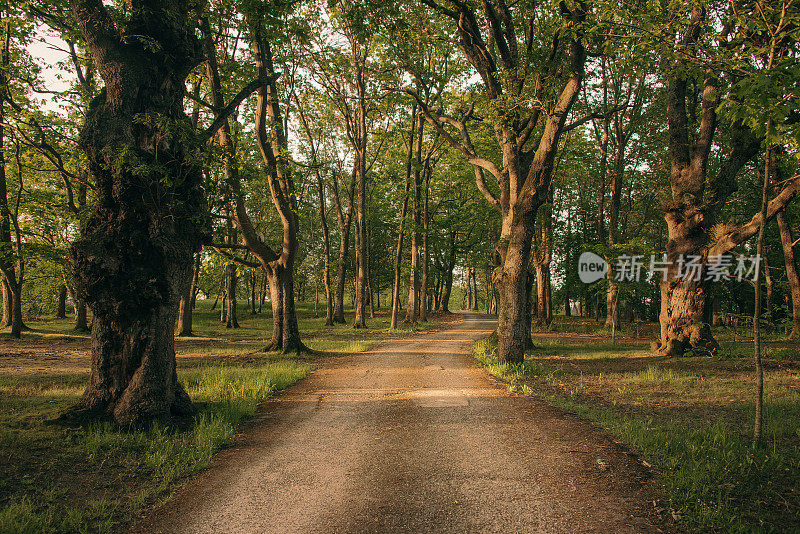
[[511, 277], [61, 304], [280, 266], [683, 302], [791, 272], [231, 283], [285, 330], [691, 214], [412, 308], [185, 307], [6, 317], [135, 251]]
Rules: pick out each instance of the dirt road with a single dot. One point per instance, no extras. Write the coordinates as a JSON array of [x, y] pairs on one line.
[[412, 437]]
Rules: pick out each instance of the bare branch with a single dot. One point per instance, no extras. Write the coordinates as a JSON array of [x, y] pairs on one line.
[[748, 230], [220, 116], [592, 116]]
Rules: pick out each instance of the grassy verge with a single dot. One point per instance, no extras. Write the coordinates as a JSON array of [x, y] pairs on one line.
[[689, 418], [96, 479]]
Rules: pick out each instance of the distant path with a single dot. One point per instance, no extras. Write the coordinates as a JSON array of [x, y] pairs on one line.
[[413, 437]]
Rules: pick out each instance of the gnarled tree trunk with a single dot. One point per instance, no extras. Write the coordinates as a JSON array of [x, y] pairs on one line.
[[135, 252], [692, 212], [511, 278]]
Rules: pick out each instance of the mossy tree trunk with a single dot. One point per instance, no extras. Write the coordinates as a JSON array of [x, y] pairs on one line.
[[135, 251], [697, 198]]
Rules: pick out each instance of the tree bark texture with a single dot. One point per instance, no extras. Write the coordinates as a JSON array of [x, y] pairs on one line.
[[61, 302], [185, 307], [791, 272], [135, 252], [696, 199]]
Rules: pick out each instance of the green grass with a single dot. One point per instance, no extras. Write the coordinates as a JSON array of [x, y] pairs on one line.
[[772, 332], [153, 460], [690, 418]]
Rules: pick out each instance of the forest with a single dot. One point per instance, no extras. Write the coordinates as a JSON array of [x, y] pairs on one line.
[[378, 165]]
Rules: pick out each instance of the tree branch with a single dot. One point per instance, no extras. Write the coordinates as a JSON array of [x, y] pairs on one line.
[[748, 230], [465, 145], [251, 264], [221, 115], [592, 116]]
